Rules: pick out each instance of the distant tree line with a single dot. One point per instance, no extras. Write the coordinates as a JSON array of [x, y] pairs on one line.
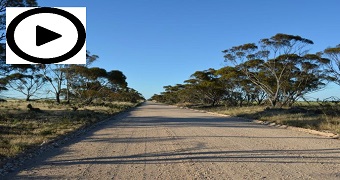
[[81, 83], [276, 71]]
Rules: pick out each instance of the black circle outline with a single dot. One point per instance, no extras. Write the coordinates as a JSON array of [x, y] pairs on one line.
[[75, 21]]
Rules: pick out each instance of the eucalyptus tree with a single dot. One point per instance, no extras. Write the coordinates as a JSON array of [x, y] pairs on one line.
[[127, 95], [87, 83], [186, 93], [238, 89], [55, 75], [333, 53], [27, 80], [280, 66], [157, 98], [5, 68], [96, 83], [174, 94], [60, 77], [117, 80], [207, 85]]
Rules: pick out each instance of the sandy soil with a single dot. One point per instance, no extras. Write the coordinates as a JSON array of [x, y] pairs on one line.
[[162, 142]]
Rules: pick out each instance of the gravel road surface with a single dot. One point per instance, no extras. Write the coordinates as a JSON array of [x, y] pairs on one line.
[[156, 141]]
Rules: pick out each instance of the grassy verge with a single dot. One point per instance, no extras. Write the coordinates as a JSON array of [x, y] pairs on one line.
[[305, 116], [21, 129]]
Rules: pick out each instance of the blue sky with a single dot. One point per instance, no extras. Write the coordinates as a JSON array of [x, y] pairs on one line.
[[162, 42]]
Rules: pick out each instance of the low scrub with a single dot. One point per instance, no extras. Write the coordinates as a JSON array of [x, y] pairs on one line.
[[22, 127], [317, 116]]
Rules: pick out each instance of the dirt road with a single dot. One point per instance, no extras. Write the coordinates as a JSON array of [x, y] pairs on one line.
[[162, 142]]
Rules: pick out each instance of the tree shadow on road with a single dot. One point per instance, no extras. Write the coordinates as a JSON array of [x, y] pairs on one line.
[[197, 152], [248, 156]]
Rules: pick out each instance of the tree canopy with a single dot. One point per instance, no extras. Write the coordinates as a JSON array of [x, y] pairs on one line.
[[276, 71]]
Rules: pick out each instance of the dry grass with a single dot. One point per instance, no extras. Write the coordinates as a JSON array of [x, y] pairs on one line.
[[307, 116], [21, 128], [247, 112]]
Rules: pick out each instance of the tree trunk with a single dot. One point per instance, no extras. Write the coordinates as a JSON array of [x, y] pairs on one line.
[[68, 96], [67, 92], [213, 103], [273, 102], [57, 97]]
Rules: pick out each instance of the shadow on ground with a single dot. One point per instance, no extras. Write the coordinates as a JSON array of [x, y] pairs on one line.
[[199, 153]]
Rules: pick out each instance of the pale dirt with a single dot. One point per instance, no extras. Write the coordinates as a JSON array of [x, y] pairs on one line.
[[156, 141]]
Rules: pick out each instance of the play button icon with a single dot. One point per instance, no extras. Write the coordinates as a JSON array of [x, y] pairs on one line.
[[44, 35]]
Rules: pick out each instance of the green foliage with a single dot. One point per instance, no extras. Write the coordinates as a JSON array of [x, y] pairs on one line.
[[4, 68], [116, 79], [88, 84], [276, 71], [26, 80], [333, 53], [282, 69], [85, 84]]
